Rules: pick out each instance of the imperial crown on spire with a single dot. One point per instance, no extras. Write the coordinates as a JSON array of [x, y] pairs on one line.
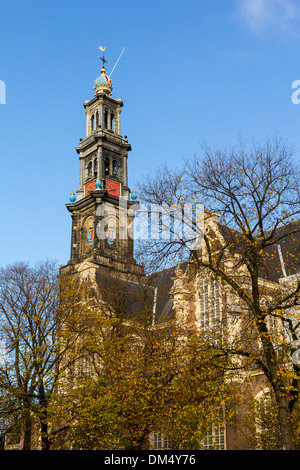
[[103, 82]]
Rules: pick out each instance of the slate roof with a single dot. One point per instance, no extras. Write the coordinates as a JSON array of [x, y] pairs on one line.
[[132, 299], [286, 237]]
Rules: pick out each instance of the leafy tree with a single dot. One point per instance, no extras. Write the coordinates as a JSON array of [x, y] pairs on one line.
[[32, 313]]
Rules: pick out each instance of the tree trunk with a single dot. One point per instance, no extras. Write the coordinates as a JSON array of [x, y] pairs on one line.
[[281, 394], [27, 430], [285, 424], [43, 417], [44, 435]]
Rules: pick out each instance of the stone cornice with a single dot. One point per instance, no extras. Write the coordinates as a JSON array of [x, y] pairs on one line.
[[103, 135]]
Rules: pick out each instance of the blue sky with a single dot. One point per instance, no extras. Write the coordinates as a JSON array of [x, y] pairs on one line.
[[193, 71]]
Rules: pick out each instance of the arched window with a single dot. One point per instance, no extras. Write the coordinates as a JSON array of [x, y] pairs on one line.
[[106, 166], [92, 122], [97, 119], [90, 169], [266, 437]]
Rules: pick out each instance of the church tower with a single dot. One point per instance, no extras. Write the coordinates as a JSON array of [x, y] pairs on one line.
[[102, 213]]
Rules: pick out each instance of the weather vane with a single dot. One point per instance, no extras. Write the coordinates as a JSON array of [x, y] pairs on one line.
[[102, 58]]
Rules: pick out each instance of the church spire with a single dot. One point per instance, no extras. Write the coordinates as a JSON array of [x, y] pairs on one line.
[[103, 83]]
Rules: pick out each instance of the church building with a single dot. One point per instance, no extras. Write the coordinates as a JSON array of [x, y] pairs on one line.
[[102, 211]]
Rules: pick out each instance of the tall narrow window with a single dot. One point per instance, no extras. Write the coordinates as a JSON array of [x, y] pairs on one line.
[[105, 119], [106, 166], [112, 121], [209, 298], [93, 122], [115, 168], [215, 314], [95, 167], [204, 308], [90, 169], [97, 119]]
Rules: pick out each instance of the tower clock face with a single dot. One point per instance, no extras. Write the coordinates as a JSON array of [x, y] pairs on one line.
[[113, 188]]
